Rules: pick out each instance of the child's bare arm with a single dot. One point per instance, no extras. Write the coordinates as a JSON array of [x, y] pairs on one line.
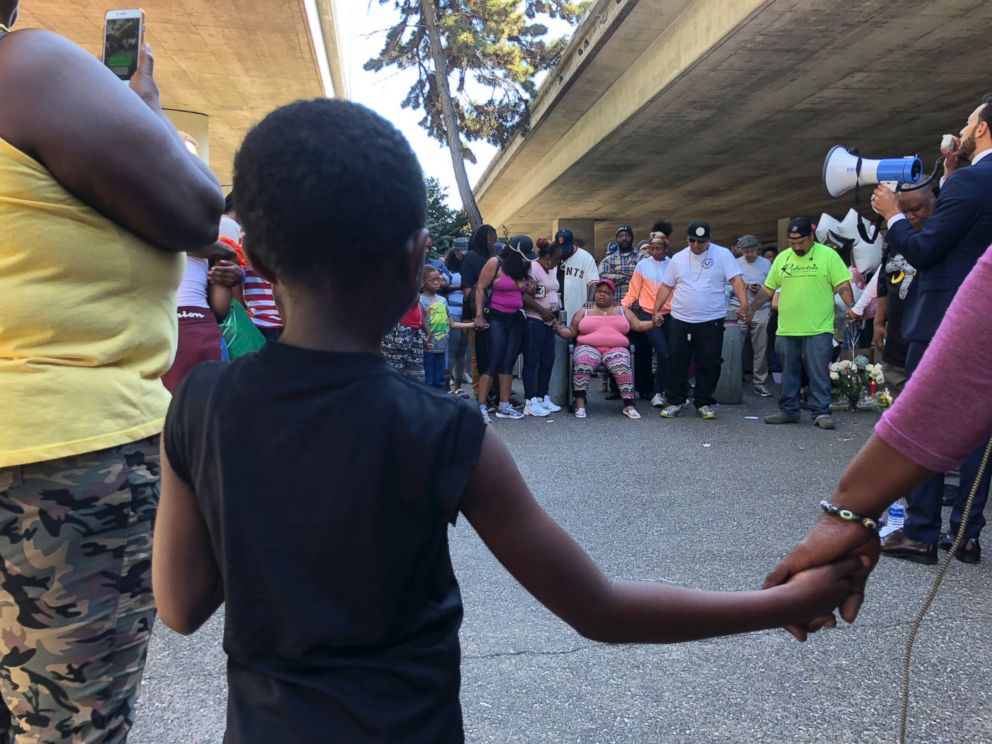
[[552, 567], [459, 325], [186, 581]]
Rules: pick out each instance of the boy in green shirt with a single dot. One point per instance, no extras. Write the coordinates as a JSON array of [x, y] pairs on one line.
[[808, 275]]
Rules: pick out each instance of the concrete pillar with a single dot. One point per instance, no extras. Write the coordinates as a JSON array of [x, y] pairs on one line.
[[582, 230], [194, 124], [783, 234]]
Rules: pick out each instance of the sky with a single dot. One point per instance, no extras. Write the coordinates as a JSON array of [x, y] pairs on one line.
[[362, 27]]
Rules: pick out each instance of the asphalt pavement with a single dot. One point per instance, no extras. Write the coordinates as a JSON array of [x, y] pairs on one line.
[[706, 504]]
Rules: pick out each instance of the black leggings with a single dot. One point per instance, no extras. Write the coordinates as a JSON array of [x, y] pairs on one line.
[[505, 336]]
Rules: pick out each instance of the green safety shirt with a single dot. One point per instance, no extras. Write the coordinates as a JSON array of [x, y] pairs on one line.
[[806, 306]]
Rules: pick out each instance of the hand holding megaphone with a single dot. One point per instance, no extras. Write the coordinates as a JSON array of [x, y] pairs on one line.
[[884, 201], [950, 147]]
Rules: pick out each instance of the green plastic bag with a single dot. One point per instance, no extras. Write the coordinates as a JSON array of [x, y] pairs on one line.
[[240, 334]]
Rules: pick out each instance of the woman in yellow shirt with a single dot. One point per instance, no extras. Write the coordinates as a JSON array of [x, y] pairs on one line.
[[98, 200]]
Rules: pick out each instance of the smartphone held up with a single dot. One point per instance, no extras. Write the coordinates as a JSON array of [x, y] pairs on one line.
[[123, 35]]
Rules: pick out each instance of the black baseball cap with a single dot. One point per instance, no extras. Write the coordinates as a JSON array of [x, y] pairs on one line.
[[801, 226], [698, 230], [563, 237], [625, 228], [523, 245]]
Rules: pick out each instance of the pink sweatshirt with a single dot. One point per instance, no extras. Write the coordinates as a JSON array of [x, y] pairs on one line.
[[945, 412]]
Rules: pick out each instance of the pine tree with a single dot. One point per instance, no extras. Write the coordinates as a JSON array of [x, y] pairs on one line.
[[489, 52], [444, 223]]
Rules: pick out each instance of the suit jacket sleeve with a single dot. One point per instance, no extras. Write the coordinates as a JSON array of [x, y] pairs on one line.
[[957, 208]]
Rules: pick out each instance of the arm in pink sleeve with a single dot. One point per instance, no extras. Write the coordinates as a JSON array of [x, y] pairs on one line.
[[945, 412]]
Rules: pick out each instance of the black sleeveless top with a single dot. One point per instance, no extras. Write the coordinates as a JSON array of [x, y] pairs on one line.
[[327, 482]]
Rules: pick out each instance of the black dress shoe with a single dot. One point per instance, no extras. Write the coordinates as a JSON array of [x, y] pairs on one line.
[[969, 552], [898, 545]]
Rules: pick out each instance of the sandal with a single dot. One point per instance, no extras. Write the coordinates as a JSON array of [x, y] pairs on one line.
[[580, 413], [631, 412]]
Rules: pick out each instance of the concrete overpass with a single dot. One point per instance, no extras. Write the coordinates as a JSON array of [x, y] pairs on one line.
[[221, 65], [724, 110]]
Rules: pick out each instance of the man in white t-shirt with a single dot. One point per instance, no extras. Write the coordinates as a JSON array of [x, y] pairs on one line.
[[754, 271], [695, 281], [576, 272]]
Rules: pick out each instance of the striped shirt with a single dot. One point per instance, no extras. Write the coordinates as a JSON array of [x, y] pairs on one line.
[[261, 304]]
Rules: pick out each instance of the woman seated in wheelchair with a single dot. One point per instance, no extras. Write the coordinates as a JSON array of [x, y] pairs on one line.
[[600, 335]]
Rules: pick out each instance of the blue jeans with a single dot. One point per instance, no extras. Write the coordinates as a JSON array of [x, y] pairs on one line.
[[539, 357], [655, 340], [810, 353], [434, 369]]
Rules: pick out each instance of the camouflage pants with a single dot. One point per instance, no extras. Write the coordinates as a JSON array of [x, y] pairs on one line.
[[403, 348], [76, 608]]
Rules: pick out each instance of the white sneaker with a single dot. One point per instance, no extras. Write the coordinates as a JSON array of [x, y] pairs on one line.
[[507, 411], [533, 407], [485, 415], [580, 413], [658, 401], [549, 405]]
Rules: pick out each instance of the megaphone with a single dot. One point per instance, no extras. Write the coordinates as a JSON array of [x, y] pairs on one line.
[[844, 169]]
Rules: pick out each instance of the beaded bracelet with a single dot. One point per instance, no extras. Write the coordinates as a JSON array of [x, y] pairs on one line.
[[848, 516]]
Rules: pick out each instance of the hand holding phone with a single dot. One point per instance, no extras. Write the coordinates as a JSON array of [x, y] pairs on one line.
[[123, 39]]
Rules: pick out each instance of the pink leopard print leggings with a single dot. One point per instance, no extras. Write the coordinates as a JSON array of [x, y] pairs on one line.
[[616, 360]]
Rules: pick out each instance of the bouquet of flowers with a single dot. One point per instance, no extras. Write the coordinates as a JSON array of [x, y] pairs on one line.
[[856, 380]]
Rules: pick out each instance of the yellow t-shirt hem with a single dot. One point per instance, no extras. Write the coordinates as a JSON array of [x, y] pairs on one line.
[[30, 455]]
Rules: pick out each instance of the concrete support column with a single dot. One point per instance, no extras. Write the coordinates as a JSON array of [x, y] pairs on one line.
[[783, 234], [583, 230], [195, 125]]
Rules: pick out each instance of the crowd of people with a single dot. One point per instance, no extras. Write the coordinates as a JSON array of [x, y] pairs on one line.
[[669, 306], [309, 486]]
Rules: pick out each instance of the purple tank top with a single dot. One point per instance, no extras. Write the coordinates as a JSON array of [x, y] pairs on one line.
[[507, 297]]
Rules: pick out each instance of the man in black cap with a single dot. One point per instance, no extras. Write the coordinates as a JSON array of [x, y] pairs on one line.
[[754, 270], [695, 280], [576, 272], [618, 266], [809, 274]]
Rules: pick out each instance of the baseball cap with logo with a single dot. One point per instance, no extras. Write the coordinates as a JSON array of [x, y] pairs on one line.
[[563, 237], [800, 227], [699, 230]]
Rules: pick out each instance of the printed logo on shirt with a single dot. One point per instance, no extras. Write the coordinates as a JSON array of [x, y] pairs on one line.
[[575, 271], [791, 269], [707, 263]]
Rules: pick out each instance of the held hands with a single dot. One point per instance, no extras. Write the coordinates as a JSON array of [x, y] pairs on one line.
[[853, 315], [816, 592], [884, 202], [744, 314], [226, 274], [480, 323], [829, 540]]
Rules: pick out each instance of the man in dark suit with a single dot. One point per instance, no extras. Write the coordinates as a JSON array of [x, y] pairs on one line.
[[943, 252]]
